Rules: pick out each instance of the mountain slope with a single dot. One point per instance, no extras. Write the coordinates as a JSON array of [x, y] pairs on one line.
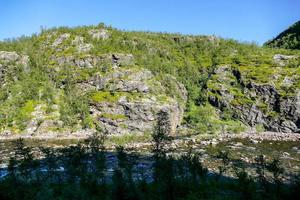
[[71, 79], [288, 39]]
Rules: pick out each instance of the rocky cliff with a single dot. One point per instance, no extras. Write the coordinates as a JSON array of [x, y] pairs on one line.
[[122, 97], [67, 80], [256, 103]]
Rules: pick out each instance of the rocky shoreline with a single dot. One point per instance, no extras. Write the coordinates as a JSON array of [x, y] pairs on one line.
[[83, 134], [80, 134], [273, 136], [245, 146]]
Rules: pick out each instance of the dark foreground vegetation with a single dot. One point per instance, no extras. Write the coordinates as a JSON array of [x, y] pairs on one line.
[[82, 172]]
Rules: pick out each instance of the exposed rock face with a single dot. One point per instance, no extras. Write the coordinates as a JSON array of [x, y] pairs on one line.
[[213, 39], [282, 60], [127, 98], [88, 61], [290, 107], [12, 59], [285, 117], [81, 45], [288, 126], [137, 116], [137, 102], [283, 57], [262, 103], [288, 81], [123, 81], [267, 94], [65, 42], [122, 60], [100, 70], [99, 34], [42, 122], [61, 39], [7, 57]]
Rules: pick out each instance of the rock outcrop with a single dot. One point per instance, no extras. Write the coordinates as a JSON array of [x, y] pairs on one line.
[[122, 60], [282, 60], [254, 103], [81, 45], [128, 101], [42, 122], [126, 80], [122, 80], [135, 116], [59, 40], [124, 98], [9, 60], [99, 34], [88, 61]]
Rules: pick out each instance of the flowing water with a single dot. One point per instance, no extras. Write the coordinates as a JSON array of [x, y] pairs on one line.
[[241, 151]]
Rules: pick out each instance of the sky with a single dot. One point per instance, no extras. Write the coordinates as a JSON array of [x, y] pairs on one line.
[[243, 20]]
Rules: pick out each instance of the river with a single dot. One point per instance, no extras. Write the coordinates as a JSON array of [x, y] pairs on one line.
[[240, 150]]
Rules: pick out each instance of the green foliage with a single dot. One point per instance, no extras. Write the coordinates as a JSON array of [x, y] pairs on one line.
[[204, 119], [113, 116], [192, 60], [259, 128], [288, 39], [232, 126], [161, 134], [25, 113], [74, 109], [99, 97]]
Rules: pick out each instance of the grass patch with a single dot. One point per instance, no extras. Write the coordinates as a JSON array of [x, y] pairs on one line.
[[101, 96], [259, 128], [113, 116], [129, 138]]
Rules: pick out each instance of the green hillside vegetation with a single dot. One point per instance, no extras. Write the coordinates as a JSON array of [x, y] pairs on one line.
[[288, 39], [191, 59]]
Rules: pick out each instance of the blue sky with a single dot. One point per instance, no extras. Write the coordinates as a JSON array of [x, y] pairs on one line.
[[244, 20]]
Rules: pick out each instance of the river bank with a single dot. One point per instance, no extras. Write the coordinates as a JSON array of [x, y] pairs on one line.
[[83, 134], [241, 147]]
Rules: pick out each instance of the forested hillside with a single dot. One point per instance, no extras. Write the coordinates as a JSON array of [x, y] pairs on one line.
[[69, 79], [288, 39]]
